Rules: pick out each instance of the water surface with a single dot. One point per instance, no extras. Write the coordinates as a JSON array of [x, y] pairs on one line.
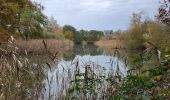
[[78, 58]]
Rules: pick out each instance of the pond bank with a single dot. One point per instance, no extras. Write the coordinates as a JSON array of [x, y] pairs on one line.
[[110, 44], [36, 46]]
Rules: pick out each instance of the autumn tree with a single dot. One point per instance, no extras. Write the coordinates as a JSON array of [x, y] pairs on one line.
[[52, 29], [141, 32], [21, 17], [53, 26], [135, 37], [32, 21], [9, 15], [157, 34], [94, 35], [68, 31]]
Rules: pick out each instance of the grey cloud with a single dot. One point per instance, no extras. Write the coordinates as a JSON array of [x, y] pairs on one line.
[[97, 14]]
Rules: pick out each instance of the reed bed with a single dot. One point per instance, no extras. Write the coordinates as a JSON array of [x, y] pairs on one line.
[[19, 79], [35, 46], [22, 80], [111, 44]]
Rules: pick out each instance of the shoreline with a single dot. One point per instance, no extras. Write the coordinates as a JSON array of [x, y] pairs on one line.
[[36, 46], [110, 44]]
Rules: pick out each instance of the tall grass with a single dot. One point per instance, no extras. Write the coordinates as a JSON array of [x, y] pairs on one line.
[[85, 80], [35, 46], [19, 79]]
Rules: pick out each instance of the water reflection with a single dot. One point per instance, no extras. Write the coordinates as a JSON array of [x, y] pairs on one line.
[[81, 50], [78, 58], [100, 61]]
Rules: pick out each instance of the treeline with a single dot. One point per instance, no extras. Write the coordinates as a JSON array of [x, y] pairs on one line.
[[141, 34], [79, 36], [88, 36]]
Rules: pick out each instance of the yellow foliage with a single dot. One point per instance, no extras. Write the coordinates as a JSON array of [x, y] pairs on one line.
[[157, 34], [167, 56], [68, 34], [158, 78], [167, 49]]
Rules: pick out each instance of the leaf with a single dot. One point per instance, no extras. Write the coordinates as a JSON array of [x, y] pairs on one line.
[[158, 78], [167, 56], [70, 90]]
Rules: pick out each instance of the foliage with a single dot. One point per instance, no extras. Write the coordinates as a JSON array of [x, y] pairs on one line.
[[157, 34], [68, 31], [135, 37], [21, 17], [89, 36], [145, 31], [94, 35], [85, 85], [164, 12], [95, 83], [52, 30], [32, 22], [52, 26], [51, 35], [151, 81], [79, 36], [8, 13]]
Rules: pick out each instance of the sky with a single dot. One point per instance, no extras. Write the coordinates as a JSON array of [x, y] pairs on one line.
[[98, 14]]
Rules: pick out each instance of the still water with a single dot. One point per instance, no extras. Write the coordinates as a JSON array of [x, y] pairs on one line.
[[77, 58]]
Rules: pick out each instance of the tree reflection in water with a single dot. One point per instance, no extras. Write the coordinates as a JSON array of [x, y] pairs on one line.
[[81, 50]]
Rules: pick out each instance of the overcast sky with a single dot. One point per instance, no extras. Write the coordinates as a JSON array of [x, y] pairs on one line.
[[98, 14]]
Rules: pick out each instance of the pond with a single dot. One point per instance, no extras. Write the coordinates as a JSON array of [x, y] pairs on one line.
[[84, 72], [78, 60]]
